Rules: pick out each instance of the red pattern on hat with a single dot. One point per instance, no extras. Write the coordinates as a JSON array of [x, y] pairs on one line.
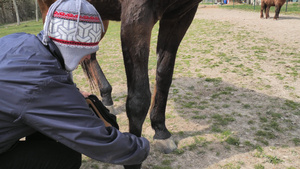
[[70, 16], [74, 42]]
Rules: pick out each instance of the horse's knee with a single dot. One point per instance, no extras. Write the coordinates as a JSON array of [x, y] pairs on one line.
[[139, 100]]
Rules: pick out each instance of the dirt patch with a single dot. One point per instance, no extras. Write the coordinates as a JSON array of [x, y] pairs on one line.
[[234, 100], [284, 30]]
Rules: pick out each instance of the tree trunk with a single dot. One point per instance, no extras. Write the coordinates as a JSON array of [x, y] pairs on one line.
[[36, 11], [17, 12], [3, 12]]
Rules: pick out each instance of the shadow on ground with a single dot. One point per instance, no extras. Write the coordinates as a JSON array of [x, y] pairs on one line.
[[218, 125]]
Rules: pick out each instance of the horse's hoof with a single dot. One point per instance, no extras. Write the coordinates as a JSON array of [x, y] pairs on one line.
[[166, 146], [112, 109]]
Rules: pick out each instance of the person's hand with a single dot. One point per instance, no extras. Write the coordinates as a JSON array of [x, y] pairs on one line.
[[85, 94]]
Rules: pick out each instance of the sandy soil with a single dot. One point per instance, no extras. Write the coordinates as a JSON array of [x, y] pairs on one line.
[[284, 30], [198, 147]]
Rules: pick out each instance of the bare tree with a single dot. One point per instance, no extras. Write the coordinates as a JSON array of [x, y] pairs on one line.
[[36, 11], [17, 12]]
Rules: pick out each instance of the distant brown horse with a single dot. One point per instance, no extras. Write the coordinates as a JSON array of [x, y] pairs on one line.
[[266, 4], [137, 20]]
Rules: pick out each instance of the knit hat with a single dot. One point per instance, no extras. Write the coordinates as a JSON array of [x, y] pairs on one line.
[[75, 27]]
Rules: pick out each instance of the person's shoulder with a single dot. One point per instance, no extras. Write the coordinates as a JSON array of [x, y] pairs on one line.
[[18, 36]]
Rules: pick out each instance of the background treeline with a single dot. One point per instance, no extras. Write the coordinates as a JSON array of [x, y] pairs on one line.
[[26, 9]]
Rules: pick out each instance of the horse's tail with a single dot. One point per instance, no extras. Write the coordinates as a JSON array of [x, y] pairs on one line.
[[91, 73]]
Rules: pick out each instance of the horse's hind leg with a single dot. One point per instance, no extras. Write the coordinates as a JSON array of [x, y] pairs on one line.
[[104, 86], [44, 6], [171, 32], [262, 9], [97, 79], [267, 11], [277, 11]]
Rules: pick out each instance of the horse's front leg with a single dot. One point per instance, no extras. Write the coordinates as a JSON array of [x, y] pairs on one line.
[[136, 25], [171, 32]]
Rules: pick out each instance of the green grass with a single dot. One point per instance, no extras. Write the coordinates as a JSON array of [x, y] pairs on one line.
[[249, 144], [31, 27], [273, 159], [233, 141], [222, 119], [231, 166], [259, 166], [214, 80], [292, 104], [266, 134], [296, 141]]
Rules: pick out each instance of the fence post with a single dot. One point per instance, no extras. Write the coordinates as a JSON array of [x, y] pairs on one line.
[[287, 4]]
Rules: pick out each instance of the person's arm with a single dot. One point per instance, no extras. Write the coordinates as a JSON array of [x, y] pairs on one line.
[[59, 111]]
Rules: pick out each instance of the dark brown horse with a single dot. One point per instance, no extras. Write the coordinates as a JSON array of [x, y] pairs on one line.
[[137, 20], [266, 4]]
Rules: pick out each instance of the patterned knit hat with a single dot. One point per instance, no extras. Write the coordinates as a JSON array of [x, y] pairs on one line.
[[75, 27]]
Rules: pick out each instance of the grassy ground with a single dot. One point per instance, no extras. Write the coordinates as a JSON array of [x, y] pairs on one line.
[[220, 101], [32, 27], [223, 110]]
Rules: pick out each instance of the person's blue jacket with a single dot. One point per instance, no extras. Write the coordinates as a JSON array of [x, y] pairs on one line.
[[38, 94]]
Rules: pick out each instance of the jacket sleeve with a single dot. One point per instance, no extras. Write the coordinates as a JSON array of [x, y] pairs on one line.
[[58, 110]]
